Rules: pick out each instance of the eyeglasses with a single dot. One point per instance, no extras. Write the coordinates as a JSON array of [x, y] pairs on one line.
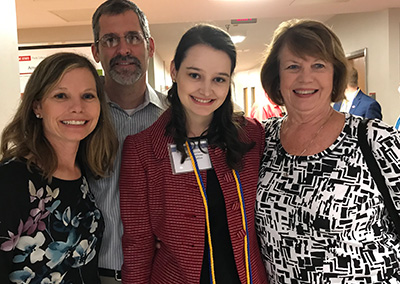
[[112, 40]]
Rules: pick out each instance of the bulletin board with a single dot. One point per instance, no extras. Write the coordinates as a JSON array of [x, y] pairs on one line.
[[30, 56]]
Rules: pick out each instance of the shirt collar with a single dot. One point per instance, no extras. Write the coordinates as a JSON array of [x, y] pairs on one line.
[[350, 96], [158, 100], [150, 96]]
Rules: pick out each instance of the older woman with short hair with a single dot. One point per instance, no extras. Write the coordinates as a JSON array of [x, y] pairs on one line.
[[320, 216]]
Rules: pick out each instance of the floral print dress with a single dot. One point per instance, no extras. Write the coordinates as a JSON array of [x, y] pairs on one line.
[[49, 233]]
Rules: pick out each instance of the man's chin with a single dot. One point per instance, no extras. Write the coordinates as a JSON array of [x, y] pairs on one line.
[[125, 79]]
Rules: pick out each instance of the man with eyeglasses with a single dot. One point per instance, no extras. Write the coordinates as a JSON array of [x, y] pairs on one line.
[[123, 45]]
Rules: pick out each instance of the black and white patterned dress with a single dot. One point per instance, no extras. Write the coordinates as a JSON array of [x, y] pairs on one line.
[[321, 218]]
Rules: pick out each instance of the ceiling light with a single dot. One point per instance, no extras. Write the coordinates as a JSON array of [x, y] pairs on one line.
[[237, 35], [237, 38]]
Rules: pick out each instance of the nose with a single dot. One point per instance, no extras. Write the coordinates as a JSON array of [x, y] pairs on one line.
[[206, 89], [76, 105], [123, 47], [306, 75]]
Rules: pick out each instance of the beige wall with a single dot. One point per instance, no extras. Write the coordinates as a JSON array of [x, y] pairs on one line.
[[392, 100], [162, 78], [247, 79], [9, 73], [83, 34], [56, 35], [379, 33]]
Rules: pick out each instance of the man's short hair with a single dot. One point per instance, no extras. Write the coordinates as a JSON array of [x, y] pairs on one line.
[[117, 7], [353, 78]]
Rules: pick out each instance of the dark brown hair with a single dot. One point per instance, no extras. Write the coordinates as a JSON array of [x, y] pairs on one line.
[[225, 127], [117, 7]]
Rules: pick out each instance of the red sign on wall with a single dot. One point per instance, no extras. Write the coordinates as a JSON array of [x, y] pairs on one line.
[[25, 58]]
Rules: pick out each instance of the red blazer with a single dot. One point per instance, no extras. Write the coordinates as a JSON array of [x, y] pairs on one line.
[[158, 204]]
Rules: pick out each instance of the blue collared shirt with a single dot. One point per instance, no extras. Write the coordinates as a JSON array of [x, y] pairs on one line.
[[106, 190]]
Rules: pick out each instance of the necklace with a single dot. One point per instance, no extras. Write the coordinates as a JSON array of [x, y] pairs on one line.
[[315, 135]]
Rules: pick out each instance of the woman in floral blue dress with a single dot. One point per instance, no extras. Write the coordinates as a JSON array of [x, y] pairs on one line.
[[50, 227]]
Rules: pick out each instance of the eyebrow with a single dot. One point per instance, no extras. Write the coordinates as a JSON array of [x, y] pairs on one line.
[[109, 34], [198, 69], [127, 33], [65, 89]]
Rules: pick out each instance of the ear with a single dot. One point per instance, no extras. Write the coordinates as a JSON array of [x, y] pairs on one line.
[[151, 47], [172, 71], [37, 108], [95, 53]]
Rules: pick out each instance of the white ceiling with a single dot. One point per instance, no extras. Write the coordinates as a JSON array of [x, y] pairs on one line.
[[169, 19]]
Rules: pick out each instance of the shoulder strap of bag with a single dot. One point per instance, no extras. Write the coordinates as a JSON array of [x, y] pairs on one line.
[[376, 173]]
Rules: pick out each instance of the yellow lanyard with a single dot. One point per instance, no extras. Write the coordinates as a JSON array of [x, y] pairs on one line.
[[243, 213]]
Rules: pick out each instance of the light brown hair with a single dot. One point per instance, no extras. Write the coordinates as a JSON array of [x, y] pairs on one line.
[[304, 38], [353, 78], [23, 137]]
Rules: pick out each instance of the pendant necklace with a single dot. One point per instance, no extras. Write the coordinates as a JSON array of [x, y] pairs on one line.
[[290, 168], [315, 136]]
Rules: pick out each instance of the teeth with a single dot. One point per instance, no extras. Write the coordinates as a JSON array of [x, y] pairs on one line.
[[74, 122], [304, 92], [201, 101]]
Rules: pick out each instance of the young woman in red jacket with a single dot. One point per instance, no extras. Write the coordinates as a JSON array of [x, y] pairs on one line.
[[189, 181]]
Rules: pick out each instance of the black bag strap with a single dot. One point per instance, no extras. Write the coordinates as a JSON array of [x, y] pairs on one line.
[[376, 173]]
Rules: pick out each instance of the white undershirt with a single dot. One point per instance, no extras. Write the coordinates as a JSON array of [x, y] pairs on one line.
[[348, 101]]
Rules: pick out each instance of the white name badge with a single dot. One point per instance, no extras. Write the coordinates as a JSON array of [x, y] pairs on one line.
[[201, 155]]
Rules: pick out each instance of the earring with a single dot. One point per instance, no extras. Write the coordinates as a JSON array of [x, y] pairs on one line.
[[173, 81], [38, 116]]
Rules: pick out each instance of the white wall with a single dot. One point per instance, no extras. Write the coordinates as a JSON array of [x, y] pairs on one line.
[[378, 32], [9, 74], [247, 79]]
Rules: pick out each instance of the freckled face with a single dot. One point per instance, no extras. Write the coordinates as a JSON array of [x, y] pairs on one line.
[[306, 83], [203, 81], [71, 109]]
